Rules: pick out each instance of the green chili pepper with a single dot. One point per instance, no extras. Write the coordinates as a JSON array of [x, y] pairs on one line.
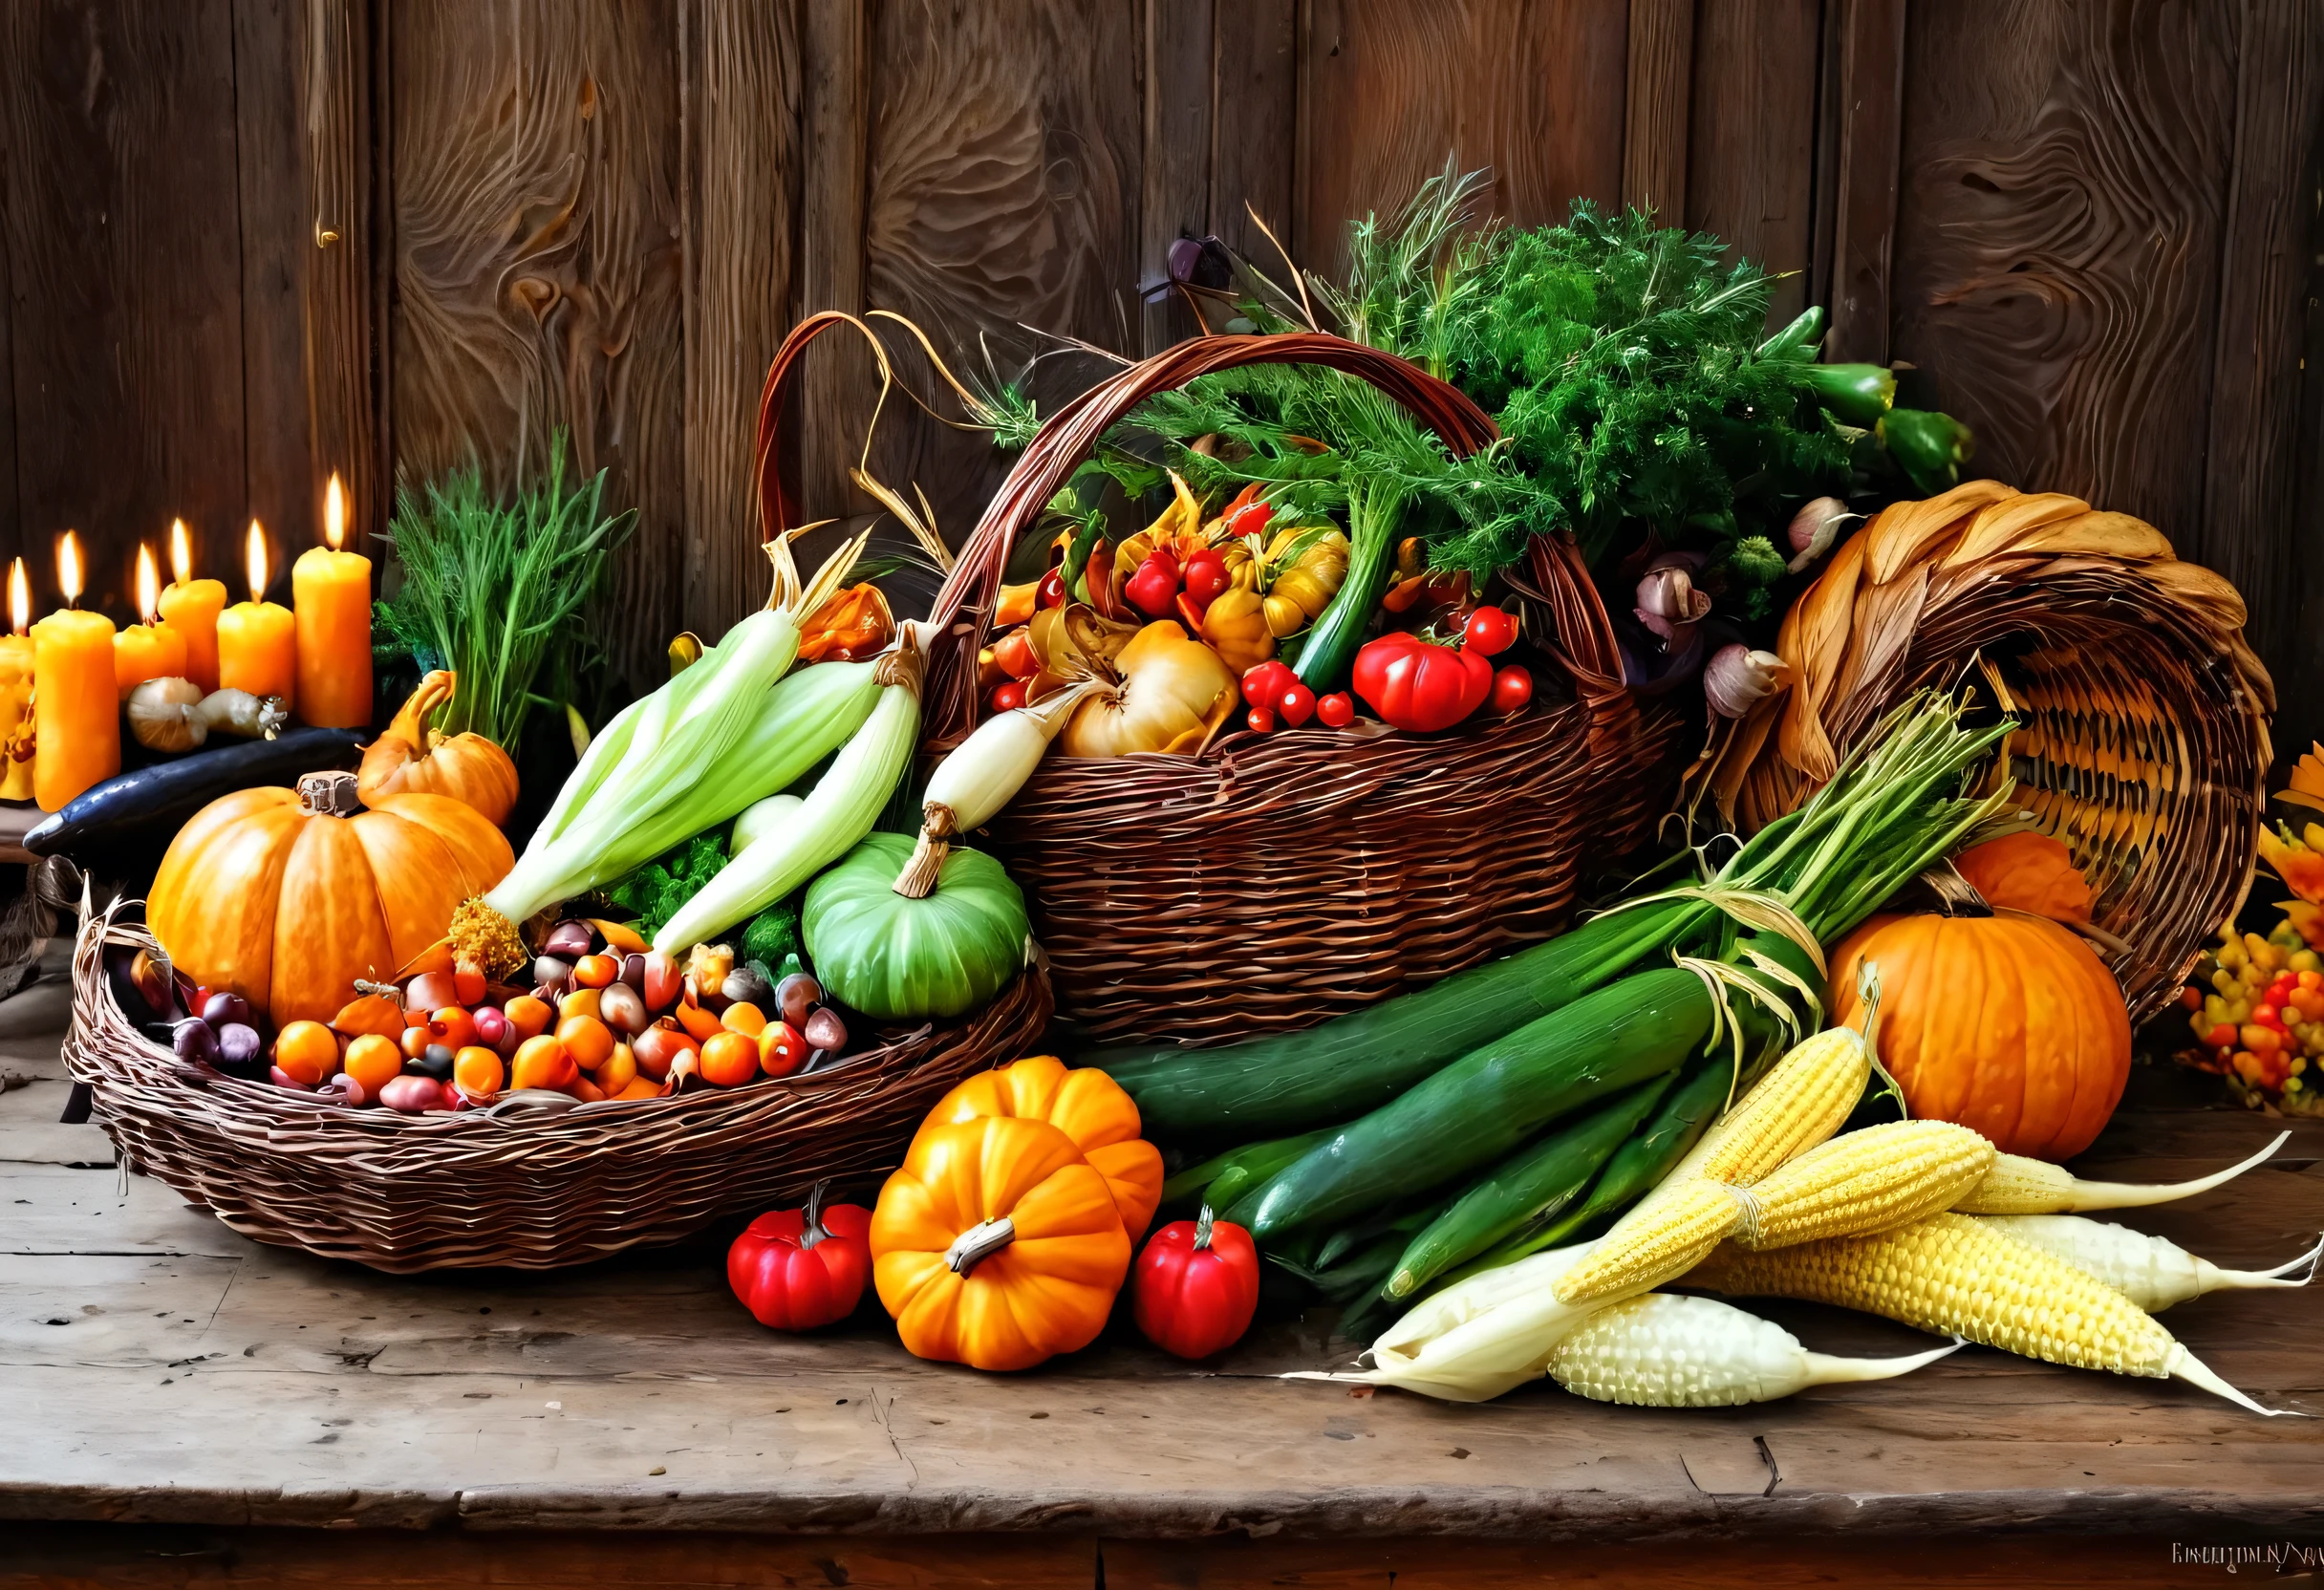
[[1855, 394], [1929, 447]]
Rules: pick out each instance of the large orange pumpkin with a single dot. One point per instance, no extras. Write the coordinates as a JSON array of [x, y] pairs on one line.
[[2027, 872], [1088, 1107], [997, 1245], [412, 759], [2010, 1025], [279, 897]]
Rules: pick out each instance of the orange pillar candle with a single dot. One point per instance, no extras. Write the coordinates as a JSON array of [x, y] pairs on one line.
[[191, 608], [330, 592], [151, 650], [258, 639], [16, 726], [77, 710]]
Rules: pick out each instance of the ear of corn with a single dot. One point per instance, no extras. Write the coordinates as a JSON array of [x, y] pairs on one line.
[[2152, 1272], [2020, 1185], [1952, 1274], [1663, 1350], [1800, 1102]]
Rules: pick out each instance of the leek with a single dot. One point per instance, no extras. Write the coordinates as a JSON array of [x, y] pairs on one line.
[[847, 801]]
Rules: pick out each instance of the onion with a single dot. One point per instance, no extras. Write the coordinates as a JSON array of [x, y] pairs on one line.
[[165, 715], [1814, 527], [1737, 677], [1667, 600]]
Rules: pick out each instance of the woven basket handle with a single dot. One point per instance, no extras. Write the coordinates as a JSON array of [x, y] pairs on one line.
[[964, 604], [777, 512]]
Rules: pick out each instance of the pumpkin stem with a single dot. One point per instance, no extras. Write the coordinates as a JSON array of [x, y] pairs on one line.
[[977, 1243], [331, 794], [1202, 1230], [811, 1228], [938, 827]]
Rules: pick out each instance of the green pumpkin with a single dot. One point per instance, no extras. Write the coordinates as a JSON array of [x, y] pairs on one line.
[[900, 960]]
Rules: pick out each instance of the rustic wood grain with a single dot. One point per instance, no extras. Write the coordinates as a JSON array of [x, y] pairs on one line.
[[1655, 107], [2301, 687], [2251, 466], [837, 387], [1751, 160], [2058, 255], [1388, 90], [538, 265], [1174, 199], [270, 145], [1254, 122], [1871, 49], [338, 305], [125, 273], [743, 89]]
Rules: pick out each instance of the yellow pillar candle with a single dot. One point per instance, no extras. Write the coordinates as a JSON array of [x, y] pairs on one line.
[[151, 650], [330, 592], [77, 710], [18, 739], [191, 608], [258, 639]]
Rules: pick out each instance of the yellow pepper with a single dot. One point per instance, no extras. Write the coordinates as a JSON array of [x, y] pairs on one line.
[[1236, 627]]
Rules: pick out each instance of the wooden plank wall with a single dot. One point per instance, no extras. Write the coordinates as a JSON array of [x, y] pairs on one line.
[[245, 241]]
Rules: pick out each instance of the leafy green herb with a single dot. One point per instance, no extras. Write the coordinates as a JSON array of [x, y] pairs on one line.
[[651, 895], [773, 935]]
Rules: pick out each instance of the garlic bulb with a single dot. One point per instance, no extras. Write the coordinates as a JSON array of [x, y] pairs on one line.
[[1667, 600], [1814, 527], [1737, 677], [239, 712], [165, 715]]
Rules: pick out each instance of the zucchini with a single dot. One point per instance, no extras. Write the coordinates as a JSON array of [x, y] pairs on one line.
[[1485, 1103], [1526, 1189], [1255, 1165], [1337, 635], [125, 807]]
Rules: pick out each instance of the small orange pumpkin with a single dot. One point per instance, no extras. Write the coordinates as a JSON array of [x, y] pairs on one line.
[[412, 759], [1087, 1105], [997, 1245], [2010, 1025], [2027, 872], [288, 897]]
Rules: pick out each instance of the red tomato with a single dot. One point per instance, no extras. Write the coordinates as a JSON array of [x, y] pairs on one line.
[[1511, 689], [1197, 1286], [796, 1269], [1246, 514], [1206, 576], [1154, 587], [1051, 591], [1296, 704], [1418, 686], [1007, 698], [1014, 652], [1489, 631], [1335, 711], [782, 1050], [1268, 681], [1262, 720]]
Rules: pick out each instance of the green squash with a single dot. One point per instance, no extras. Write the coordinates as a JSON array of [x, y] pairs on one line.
[[901, 960]]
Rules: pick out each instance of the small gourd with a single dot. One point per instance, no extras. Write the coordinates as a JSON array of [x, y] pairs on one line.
[[2027, 872], [1085, 1104], [905, 932], [1306, 565], [412, 759]]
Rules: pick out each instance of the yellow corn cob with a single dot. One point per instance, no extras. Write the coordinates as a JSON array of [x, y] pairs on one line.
[[1667, 1351], [1867, 1181], [2019, 1185], [1797, 1105], [2152, 1272], [1951, 1273]]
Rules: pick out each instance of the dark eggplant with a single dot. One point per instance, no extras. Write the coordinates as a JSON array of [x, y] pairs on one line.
[[154, 801]]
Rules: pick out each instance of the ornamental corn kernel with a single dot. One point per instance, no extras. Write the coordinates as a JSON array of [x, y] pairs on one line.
[[1798, 1104]]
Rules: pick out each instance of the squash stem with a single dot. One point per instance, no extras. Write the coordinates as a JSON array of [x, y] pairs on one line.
[[977, 1243], [919, 878]]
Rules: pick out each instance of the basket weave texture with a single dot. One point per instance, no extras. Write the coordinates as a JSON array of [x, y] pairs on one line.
[[1278, 880], [532, 1183], [2145, 741]]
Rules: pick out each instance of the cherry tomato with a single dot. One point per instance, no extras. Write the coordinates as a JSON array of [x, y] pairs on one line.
[[1051, 591], [1014, 652], [1489, 631], [1262, 720], [782, 1050], [1007, 698], [1268, 681], [1296, 705], [1206, 576], [1335, 711], [1511, 689]]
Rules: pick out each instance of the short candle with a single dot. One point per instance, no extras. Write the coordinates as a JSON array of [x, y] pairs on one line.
[[191, 607], [151, 650], [258, 639]]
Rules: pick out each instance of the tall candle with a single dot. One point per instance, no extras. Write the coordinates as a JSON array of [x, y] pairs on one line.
[[77, 710], [258, 639], [17, 736], [330, 592], [151, 650], [191, 608]]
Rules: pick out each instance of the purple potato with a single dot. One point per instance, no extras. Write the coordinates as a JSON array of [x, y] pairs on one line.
[[224, 1008], [238, 1044], [570, 940], [195, 1040], [744, 986], [633, 970]]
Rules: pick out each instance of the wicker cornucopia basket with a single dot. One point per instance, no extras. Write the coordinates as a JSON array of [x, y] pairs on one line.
[[531, 1183], [1274, 881], [2145, 746]]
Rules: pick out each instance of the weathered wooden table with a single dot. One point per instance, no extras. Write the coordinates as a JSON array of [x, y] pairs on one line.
[[182, 1406]]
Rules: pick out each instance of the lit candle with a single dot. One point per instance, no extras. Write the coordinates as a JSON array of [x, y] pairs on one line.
[[76, 711], [191, 607], [257, 640], [331, 591], [151, 650], [17, 738]]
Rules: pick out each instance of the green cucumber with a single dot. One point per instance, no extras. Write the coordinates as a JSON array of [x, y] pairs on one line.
[[1531, 1184], [1252, 1166], [1338, 632], [1485, 1103]]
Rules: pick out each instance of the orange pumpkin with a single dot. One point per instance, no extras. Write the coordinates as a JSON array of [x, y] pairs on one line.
[[278, 896], [1087, 1105], [412, 759], [997, 1245], [2010, 1025], [2027, 872]]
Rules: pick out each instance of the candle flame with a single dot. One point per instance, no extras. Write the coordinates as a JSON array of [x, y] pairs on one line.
[[68, 568], [254, 562], [19, 596], [149, 584], [334, 513], [181, 552]]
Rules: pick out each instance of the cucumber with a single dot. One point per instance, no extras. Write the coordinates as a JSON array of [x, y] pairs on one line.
[[152, 802], [1527, 1188], [1492, 1099], [1253, 1166]]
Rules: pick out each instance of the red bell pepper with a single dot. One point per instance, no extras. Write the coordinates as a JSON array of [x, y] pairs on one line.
[[795, 1268], [1153, 587], [1246, 514], [1197, 1286], [1419, 686]]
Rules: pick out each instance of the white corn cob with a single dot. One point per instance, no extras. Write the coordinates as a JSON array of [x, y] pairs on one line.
[[2020, 1185], [2152, 1272], [1663, 1350]]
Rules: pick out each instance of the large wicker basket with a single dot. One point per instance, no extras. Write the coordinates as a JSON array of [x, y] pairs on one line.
[[530, 1184], [2144, 746], [1278, 880]]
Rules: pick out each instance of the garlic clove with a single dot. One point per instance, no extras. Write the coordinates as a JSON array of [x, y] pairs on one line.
[[164, 715], [1814, 527], [238, 712], [1736, 678]]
